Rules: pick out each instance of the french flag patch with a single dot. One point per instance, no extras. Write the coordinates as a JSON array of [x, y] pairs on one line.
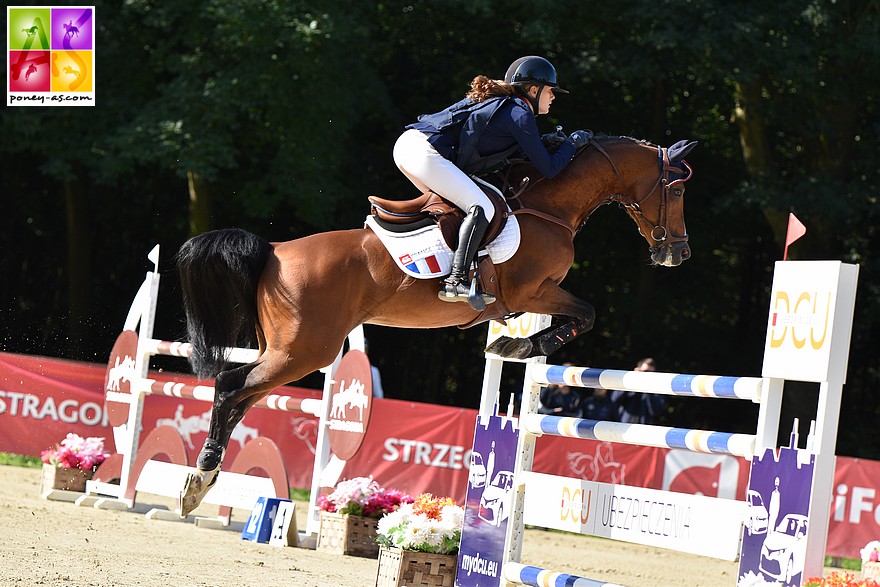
[[425, 266]]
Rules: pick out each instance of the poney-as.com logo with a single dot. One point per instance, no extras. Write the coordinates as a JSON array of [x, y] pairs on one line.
[[50, 56]]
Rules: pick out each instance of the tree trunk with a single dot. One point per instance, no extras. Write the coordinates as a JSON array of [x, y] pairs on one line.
[[79, 266], [752, 135], [199, 204], [756, 150]]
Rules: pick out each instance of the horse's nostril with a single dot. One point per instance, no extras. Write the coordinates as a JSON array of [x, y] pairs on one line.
[[686, 253]]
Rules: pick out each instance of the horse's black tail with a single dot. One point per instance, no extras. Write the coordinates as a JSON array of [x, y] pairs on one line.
[[219, 272]]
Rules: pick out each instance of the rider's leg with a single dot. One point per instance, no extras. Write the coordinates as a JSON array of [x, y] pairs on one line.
[[429, 170], [456, 287]]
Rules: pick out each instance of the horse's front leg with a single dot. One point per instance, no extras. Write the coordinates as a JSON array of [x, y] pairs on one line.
[[227, 391], [572, 317]]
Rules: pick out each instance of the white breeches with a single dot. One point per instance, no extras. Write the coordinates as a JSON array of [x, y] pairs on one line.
[[429, 170]]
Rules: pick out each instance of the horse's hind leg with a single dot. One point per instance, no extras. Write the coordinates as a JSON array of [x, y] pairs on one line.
[[235, 392], [227, 388]]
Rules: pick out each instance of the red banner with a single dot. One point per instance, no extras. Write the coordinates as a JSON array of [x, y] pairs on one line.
[[409, 446], [855, 511], [42, 399]]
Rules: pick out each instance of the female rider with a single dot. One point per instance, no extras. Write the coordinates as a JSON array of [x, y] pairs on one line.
[[495, 120]]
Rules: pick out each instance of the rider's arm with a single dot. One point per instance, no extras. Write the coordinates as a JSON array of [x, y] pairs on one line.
[[524, 129]]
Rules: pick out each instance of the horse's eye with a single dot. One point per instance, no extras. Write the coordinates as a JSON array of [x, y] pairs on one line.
[[677, 192]]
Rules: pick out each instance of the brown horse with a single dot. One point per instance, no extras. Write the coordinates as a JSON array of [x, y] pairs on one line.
[[303, 297]]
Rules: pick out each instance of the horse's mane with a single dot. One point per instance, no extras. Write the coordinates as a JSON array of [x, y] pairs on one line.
[[612, 139]]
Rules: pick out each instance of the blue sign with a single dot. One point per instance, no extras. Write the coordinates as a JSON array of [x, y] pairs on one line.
[[489, 501], [775, 533], [259, 524]]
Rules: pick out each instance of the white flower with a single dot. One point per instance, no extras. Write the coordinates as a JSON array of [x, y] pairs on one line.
[[391, 520], [870, 548], [453, 515], [433, 534], [409, 530]]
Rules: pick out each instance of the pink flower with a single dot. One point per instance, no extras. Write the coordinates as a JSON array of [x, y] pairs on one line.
[[326, 505], [76, 452], [874, 557], [362, 496]]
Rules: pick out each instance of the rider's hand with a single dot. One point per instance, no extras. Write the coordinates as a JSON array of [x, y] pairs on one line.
[[552, 140], [580, 138]]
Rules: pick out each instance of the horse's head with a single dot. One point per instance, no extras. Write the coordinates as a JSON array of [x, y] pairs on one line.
[[652, 179]]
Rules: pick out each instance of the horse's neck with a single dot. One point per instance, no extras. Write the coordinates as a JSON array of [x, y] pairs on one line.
[[586, 184]]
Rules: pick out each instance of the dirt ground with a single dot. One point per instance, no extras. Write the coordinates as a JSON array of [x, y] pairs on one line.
[[56, 543]]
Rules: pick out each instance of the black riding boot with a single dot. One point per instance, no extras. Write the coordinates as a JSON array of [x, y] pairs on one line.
[[456, 287]]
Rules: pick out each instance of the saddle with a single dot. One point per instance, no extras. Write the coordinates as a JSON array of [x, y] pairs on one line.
[[431, 208], [406, 215]]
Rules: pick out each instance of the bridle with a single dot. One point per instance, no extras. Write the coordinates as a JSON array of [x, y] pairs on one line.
[[659, 233]]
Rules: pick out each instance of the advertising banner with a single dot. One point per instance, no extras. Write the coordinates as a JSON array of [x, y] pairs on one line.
[[684, 523], [410, 446]]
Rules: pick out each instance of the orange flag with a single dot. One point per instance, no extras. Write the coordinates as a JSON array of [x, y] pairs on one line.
[[795, 231]]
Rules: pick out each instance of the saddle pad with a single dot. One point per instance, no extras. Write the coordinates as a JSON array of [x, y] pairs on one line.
[[423, 253]]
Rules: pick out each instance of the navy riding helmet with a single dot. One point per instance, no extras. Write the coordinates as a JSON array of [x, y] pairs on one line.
[[532, 70]]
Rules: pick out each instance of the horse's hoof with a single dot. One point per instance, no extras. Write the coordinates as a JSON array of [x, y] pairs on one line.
[[498, 345], [194, 489], [517, 348]]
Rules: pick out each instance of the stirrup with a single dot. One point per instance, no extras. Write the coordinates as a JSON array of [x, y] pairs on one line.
[[453, 290], [462, 291], [477, 298]]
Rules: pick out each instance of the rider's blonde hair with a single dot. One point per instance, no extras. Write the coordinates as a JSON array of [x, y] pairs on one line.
[[483, 88]]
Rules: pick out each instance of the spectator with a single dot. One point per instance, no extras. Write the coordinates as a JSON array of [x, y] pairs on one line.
[[639, 408], [560, 400], [598, 405]]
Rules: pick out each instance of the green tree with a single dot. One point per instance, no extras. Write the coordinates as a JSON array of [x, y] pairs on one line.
[[251, 103]]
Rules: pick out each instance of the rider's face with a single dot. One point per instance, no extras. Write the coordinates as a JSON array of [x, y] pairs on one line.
[[546, 99]]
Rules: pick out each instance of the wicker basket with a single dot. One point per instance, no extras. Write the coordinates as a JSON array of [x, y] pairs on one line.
[[415, 569], [64, 479], [352, 535], [871, 570]]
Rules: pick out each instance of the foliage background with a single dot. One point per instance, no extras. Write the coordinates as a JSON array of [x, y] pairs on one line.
[[279, 117]]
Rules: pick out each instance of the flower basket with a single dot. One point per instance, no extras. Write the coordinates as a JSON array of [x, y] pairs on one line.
[[871, 560], [346, 534], [64, 479], [398, 567], [71, 463]]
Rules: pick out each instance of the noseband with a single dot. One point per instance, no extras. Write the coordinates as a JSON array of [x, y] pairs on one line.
[[659, 233]]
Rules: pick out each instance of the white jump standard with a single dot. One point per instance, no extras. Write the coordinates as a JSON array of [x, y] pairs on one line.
[[808, 336]]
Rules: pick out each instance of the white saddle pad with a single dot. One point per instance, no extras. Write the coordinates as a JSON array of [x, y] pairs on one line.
[[423, 253]]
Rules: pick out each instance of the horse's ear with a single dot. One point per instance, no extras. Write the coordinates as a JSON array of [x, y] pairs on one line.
[[679, 150]]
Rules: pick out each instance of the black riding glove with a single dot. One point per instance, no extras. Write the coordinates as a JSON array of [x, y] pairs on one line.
[[580, 138], [552, 140]]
